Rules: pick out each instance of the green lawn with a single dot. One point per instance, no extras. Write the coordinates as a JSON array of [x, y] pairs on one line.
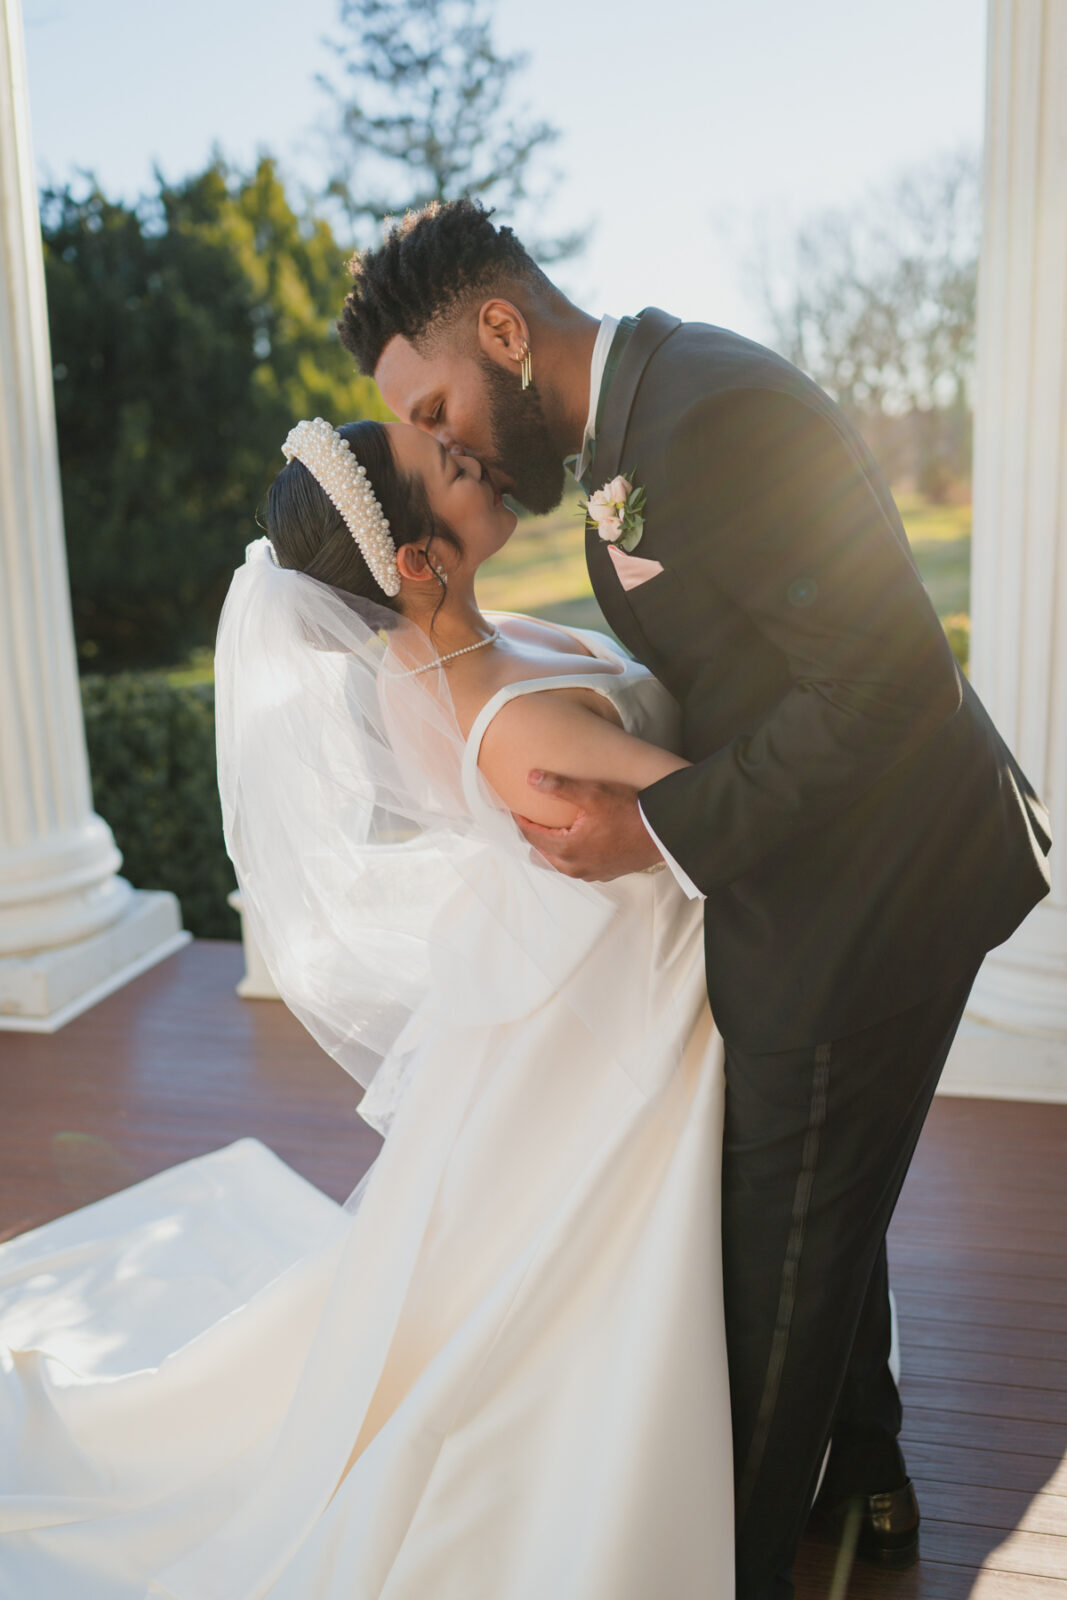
[[200, 668], [541, 570]]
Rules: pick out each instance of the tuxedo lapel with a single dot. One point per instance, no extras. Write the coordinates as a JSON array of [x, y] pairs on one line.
[[653, 327]]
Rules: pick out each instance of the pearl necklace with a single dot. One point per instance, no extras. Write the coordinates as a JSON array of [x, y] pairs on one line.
[[450, 655]]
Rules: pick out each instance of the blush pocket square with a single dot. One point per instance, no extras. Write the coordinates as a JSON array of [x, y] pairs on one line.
[[632, 570]]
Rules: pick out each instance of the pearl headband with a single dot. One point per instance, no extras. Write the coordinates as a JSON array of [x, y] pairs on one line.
[[344, 480]]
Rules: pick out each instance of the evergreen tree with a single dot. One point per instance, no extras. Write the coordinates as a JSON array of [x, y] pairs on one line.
[[188, 333]]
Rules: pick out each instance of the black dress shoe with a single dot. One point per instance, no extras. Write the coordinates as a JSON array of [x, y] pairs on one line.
[[888, 1525]]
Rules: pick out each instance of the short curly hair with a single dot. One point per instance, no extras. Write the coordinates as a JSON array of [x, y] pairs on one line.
[[429, 265]]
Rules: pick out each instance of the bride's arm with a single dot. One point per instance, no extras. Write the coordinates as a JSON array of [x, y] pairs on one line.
[[557, 730]]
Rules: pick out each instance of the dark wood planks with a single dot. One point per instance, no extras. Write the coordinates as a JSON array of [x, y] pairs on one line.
[[1012, 1343], [931, 1579], [979, 1267], [175, 1064], [170, 1066]]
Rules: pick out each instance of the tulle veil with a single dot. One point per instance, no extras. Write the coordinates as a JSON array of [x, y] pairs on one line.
[[363, 836]]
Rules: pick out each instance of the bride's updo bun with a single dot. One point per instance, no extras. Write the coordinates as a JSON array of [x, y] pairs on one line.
[[309, 534]]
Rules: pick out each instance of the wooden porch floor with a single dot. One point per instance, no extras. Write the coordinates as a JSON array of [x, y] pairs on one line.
[[175, 1064]]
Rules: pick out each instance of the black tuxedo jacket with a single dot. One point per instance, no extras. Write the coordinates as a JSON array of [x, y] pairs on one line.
[[861, 831]]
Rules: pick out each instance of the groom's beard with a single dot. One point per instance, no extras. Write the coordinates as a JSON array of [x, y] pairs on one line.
[[524, 449]]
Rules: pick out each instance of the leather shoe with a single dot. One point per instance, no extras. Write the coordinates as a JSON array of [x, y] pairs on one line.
[[888, 1525]]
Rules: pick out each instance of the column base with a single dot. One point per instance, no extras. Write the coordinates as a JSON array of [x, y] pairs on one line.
[[257, 983], [991, 1063], [42, 991], [1022, 986]]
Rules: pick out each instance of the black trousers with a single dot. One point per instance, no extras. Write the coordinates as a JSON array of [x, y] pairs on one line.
[[817, 1144]]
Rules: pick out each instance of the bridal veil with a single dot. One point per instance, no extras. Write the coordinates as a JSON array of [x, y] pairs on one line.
[[363, 840]]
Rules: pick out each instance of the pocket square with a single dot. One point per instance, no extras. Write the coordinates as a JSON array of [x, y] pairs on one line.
[[632, 570]]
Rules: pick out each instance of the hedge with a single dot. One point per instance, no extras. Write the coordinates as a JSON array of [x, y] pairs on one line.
[[958, 629], [152, 759]]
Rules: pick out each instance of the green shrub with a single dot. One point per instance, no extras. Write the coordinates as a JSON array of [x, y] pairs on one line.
[[152, 758], [958, 629]]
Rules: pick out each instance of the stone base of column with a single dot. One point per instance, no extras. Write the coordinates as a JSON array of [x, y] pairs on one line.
[[1023, 983], [257, 983], [42, 991], [993, 1063]]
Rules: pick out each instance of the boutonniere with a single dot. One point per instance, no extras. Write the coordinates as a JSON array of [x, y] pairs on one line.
[[617, 513]]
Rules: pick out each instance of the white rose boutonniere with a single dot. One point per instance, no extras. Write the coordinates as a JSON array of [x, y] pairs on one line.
[[617, 513]]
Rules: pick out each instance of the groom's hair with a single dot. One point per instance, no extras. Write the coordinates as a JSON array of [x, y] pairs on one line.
[[431, 265]]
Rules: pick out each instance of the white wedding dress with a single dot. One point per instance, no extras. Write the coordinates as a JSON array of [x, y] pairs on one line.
[[513, 1342]]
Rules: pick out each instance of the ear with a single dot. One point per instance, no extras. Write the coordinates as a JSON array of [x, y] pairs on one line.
[[413, 565], [502, 333]]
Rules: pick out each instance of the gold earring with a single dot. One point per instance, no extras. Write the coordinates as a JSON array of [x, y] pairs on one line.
[[527, 365]]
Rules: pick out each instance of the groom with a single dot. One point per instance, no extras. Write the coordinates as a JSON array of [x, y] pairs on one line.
[[858, 830]]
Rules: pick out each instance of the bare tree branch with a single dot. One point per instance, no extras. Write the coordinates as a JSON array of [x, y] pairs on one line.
[[421, 112], [877, 302]]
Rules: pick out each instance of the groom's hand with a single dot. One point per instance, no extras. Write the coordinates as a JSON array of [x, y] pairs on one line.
[[606, 839]]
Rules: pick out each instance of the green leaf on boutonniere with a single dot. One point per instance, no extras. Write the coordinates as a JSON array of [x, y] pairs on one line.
[[633, 521], [633, 528]]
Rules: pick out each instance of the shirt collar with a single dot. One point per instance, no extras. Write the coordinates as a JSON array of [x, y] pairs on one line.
[[605, 335]]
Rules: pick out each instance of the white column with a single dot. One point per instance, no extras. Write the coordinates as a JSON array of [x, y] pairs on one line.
[[58, 862], [1019, 591]]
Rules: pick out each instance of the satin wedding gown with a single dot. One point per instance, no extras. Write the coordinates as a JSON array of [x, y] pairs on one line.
[[499, 1375]]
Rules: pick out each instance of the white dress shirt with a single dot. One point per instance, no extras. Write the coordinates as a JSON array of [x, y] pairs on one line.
[[605, 335]]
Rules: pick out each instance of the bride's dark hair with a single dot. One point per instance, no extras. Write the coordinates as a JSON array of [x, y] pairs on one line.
[[309, 534]]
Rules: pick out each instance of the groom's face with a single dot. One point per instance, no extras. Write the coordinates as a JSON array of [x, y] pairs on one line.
[[477, 407]]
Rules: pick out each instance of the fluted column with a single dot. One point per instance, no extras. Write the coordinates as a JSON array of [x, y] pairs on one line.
[[58, 861], [1019, 594]]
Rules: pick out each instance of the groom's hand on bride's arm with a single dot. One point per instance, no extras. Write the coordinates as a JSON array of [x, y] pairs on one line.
[[606, 839]]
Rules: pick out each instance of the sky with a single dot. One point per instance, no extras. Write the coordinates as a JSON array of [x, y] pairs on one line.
[[681, 136]]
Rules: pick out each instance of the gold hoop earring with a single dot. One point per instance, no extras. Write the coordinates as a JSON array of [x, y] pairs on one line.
[[527, 365]]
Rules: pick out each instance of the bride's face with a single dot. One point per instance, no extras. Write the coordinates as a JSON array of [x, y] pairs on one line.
[[458, 491]]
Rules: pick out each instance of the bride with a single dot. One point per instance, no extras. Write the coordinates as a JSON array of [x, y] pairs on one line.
[[498, 1372]]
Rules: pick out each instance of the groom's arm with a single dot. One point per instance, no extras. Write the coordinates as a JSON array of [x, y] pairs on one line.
[[776, 512]]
